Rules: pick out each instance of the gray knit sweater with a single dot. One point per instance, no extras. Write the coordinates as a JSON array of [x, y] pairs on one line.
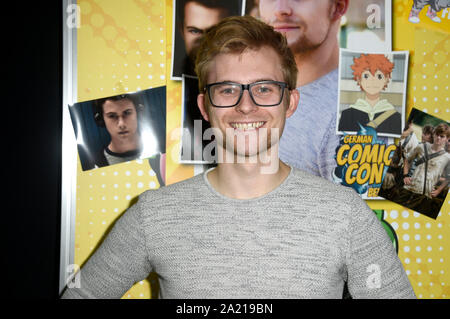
[[302, 240]]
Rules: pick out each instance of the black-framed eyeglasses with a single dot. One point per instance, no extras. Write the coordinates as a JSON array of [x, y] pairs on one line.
[[262, 93]]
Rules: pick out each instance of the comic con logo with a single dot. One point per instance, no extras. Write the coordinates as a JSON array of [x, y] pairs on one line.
[[362, 162]]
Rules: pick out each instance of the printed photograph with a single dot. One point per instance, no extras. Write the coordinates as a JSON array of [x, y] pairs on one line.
[[193, 125], [419, 175], [372, 92], [121, 128], [191, 19], [367, 24]]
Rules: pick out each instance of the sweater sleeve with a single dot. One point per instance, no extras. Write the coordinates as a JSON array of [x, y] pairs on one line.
[[374, 269], [119, 262]]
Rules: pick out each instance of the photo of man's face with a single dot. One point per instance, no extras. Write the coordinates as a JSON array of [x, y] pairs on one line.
[[120, 119], [198, 18], [306, 24]]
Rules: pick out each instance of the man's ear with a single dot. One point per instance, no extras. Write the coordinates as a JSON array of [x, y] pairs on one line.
[[339, 8], [294, 97], [201, 105]]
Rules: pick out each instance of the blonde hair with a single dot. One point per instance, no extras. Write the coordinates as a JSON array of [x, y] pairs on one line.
[[235, 35]]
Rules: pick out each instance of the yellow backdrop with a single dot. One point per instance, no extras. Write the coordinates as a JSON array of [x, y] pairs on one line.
[[125, 46]]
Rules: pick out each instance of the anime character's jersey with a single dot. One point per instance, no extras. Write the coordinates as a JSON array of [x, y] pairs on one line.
[[362, 113]]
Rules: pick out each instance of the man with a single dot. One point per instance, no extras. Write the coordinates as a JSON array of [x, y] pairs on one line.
[[119, 115], [311, 28], [239, 231], [195, 16], [372, 72]]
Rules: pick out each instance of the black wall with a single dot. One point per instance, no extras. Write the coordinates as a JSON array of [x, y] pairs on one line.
[[32, 123]]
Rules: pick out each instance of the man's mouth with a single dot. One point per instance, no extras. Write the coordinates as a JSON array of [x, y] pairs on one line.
[[247, 126], [285, 27], [123, 132]]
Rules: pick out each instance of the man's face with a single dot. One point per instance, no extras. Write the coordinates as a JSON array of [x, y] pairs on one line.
[[427, 137], [120, 119], [440, 140], [198, 18], [305, 23], [373, 83], [247, 121]]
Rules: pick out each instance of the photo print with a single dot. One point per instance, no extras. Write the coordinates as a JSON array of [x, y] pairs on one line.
[[419, 175], [193, 125], [367, 24], [190, 20], [122, 128], [372, 92]]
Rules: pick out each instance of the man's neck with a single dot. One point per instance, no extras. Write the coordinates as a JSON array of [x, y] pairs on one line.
[[436, 147], [246, 180], [316, 63]]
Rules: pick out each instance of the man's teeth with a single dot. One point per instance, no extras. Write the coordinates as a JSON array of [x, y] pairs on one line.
[[247, 126]]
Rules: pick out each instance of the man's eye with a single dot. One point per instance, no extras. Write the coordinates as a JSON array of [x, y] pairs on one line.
[[228, 91], [366, 76], [195, 31], [264, 90], [380, 76], [112, 116]]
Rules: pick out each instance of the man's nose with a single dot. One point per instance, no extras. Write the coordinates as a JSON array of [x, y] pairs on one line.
[[283, 9], [246, 105], [121, 122]]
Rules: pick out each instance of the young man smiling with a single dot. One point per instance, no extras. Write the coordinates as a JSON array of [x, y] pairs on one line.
[[235, 231], [311, 28]]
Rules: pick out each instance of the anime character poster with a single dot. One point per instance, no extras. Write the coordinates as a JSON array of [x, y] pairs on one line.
[[365, 26], [372, 92], [121, 128], [371, 108], [190, 20], [419, 175], [429, 14]]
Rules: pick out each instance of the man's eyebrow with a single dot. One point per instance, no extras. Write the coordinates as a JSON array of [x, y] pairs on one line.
[[252, 81]]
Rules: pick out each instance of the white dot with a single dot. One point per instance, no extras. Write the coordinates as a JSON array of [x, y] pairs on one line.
[[406, 249], [128, 173], [424, 88], [417, 225], [150, 77], [417, 237], [405, 225], [406, 237], [418, 260], [407, 261], [127, 185], [394, 225], [140, 185], [429, 248], [128, 197], [152, 185], [151, 173], [424, 99], [162, 77], [418, 248], [140, 173], [405, 214], [394, 214]]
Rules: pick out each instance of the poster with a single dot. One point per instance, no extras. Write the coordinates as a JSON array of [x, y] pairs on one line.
[[126, 46]]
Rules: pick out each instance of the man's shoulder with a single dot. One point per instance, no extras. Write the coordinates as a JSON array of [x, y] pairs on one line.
[[308, 183], [178, 192]]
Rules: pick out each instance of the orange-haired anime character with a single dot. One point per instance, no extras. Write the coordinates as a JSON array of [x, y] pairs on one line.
[[372, 72]]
